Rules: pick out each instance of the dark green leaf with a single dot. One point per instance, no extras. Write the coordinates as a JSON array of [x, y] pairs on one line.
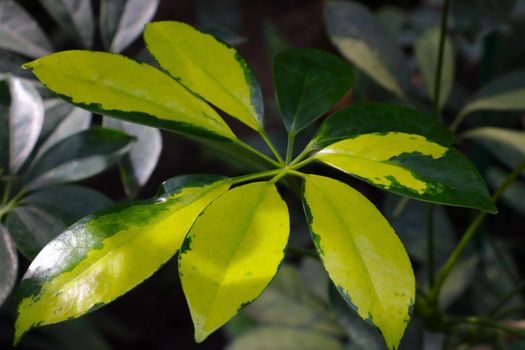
[[78, 157], [364, 118], [75, 17], [513, 196], [221, 18], [8, 264], [308, 83], [20, 33]]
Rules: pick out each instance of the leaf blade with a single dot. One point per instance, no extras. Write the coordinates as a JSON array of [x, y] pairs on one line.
[[8, 264]]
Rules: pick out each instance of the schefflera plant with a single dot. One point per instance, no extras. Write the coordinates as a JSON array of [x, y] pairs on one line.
[[232, 233]]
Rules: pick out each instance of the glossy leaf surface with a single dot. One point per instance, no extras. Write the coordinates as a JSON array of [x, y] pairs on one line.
[[427, 52], [207, 67], [20, 33], [412, 166], [365, 118], [78, 157], [366, 43], [231, 254], [362, 254], [8, 264], [108, 253], [75, 17], [134, 92], [308, 83]]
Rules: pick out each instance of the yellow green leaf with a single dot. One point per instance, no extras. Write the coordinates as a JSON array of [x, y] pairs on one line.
[[232, 252], [108, 253], [362, 254], [207, 67], [117, 86]]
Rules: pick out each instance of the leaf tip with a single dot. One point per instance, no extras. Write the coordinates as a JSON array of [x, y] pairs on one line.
[[200, 334]]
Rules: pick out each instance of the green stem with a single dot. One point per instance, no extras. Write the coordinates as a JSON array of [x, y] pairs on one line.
[[430, 245], [297, 173], [441, 53], [302, 163], [471, 231], [506, 298], [458, 120], [289, 147], [254, 176], [478, 321], [301, 156], [257, 153], [269, 142], [302, 251]]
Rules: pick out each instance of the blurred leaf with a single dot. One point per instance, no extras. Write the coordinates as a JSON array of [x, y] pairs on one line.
[[20, 33], [32, 228], [506, 93], [275, 41], [8, 264], [221, 18], [56, 110], [26, 116], [362, 39], [137, 166], [514, 195], [11, 64], [308, 82], [462, 276], [505, 144], [427, 51], [75, 17], [77, 334], [481, 15], [122, 21], [78, 157], [392, 18]]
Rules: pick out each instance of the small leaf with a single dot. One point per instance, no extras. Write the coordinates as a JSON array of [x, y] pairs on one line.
[[78, 157], [137, 166], [506, 93], [365, 118], [20, 33], [8, 264], [75, 17], [119, 87], [122, 21], [362, 254], [362, 39], [108, 253], [412, 166], [308, 83], [209, 68], [231, 254], [506, 145], [427, 51]]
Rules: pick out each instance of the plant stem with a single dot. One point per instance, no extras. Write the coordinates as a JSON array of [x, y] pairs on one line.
[[506, 298], [430, 246], [302, 251], [289, 147], [269, 142], [471, 231], [254, 176], [441, 53], [301, 164], [257, 153], [301, 156], [458, 120], [478, 321]]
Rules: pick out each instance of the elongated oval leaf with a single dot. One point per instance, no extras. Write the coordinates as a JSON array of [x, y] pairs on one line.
[[20, 33], [8, 264], [308, 83], [207, 67], [232, 253], [108, 253], [116, 86], [78, 157], [122, 21], [75, 17], [365, 118], [362, 254], [427, 52], [362, 39], [412, 166], [506, 93]]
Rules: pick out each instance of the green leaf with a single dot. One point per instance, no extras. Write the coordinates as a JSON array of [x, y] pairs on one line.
[[412, 166], [78, 157], [506, 93], [308, 83], [513, 196], [20, 33], [119, 87], [506, 145], [362, 254], [75, 17], [122, 21], [231, 254], [427, 52], [365, 118], [108, 253], [366, 43], [137, 166], [8, 264], [209, 68]]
